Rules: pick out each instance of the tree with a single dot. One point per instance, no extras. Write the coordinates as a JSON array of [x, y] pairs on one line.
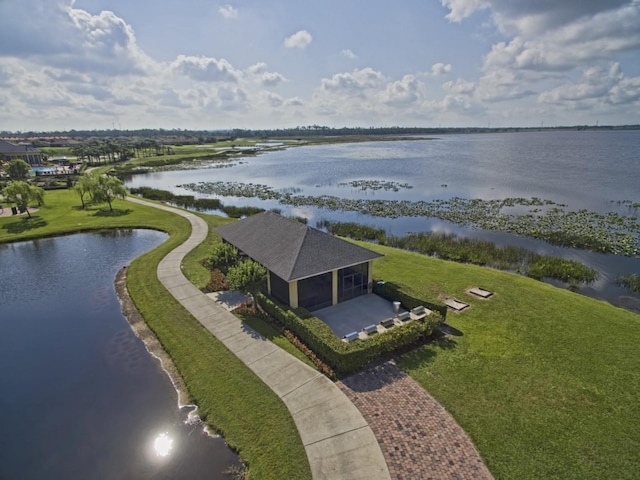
[[247, 276], [18, 169], [86, 185], [22, 194], [106, 189]]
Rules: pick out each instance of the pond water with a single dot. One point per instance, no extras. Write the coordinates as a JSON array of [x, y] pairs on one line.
[[581, 169], [81, 397]]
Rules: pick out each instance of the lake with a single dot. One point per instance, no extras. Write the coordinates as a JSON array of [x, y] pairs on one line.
[[81, 396], [581, 169]]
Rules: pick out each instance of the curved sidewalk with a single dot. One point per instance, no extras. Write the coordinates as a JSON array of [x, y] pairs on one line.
[[337, 439]]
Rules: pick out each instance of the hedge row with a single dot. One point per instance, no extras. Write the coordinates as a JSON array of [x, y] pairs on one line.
[[344, 357]]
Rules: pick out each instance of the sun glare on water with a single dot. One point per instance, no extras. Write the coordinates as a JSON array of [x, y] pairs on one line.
[[163, 444]]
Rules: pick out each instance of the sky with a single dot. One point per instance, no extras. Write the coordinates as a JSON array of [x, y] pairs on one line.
[[203, 64]]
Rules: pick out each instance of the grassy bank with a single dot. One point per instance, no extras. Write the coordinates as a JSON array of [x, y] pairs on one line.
[[544, 380], [231, 399]]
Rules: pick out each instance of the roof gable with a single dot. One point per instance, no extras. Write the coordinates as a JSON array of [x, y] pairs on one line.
[[290, 249]]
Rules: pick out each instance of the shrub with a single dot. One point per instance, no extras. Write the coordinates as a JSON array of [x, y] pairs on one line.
[[223, 257], [247, 276], [218, 282]]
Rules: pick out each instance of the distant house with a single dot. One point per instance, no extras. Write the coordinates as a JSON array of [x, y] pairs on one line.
[[306, 267], [11, 151]]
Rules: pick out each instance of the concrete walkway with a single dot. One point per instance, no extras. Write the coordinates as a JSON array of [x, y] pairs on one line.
[[338, 440]]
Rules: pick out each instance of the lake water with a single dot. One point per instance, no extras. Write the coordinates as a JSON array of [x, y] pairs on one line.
[[581, 169], [81, 397]]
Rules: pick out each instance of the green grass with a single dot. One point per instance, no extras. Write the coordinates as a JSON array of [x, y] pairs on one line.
[[230, 398], [62, 214], [545, 381]]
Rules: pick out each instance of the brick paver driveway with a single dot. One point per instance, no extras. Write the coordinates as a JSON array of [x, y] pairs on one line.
[[418, 438]]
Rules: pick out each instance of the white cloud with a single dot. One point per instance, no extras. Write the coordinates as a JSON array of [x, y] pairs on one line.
[[459, 87], [599, 85], [353, 83], [294, 102], [265, 78], [228, 12], [440, 68], [231, 97], [205, 69], [586, 40], [273, 100], [403, 92], [461, 9], [300, 39], [346, 53], [62, 36]]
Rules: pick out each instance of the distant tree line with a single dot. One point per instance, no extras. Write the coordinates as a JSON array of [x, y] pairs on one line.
[[178, 135]]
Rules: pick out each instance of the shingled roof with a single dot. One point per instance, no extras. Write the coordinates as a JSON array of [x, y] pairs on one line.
[[8, 147], [290, 249]]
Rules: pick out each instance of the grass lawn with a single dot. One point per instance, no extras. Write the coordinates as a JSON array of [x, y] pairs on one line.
[[231, 399], [545, 381], [63, 214]]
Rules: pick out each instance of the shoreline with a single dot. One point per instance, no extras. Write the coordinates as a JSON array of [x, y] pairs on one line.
[[151, 342], [156, 350]]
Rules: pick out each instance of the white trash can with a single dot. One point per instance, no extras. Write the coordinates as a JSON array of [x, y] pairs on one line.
[[396, 307]]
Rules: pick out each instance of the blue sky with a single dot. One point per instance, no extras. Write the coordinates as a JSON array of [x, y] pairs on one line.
[[204, 64]]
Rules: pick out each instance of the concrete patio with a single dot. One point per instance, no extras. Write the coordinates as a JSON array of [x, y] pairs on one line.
[[353, 315]]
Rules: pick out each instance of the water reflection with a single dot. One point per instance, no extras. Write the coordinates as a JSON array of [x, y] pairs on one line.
[[163, 444], [99, 405]]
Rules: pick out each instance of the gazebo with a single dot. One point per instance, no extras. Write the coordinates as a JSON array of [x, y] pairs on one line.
[[306, 267]]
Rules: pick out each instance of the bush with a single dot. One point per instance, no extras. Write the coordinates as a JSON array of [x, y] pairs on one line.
[[218, 282], [344, 357], [247, 276], [223, 257]]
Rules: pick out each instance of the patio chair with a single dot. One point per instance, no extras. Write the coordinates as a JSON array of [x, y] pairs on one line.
[[404, 317], [388, 323], [350, 337], [371, 329], [419, 312]]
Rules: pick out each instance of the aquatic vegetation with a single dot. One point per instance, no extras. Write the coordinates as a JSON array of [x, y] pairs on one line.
[[376, 185], [542, 219], [631, 281], [448, 246], [353, 230], [199, 204]]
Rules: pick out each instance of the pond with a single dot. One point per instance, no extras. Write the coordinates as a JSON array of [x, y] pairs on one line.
[[81, 396]]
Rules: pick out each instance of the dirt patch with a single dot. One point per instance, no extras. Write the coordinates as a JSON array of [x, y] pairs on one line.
[[142, 331]]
